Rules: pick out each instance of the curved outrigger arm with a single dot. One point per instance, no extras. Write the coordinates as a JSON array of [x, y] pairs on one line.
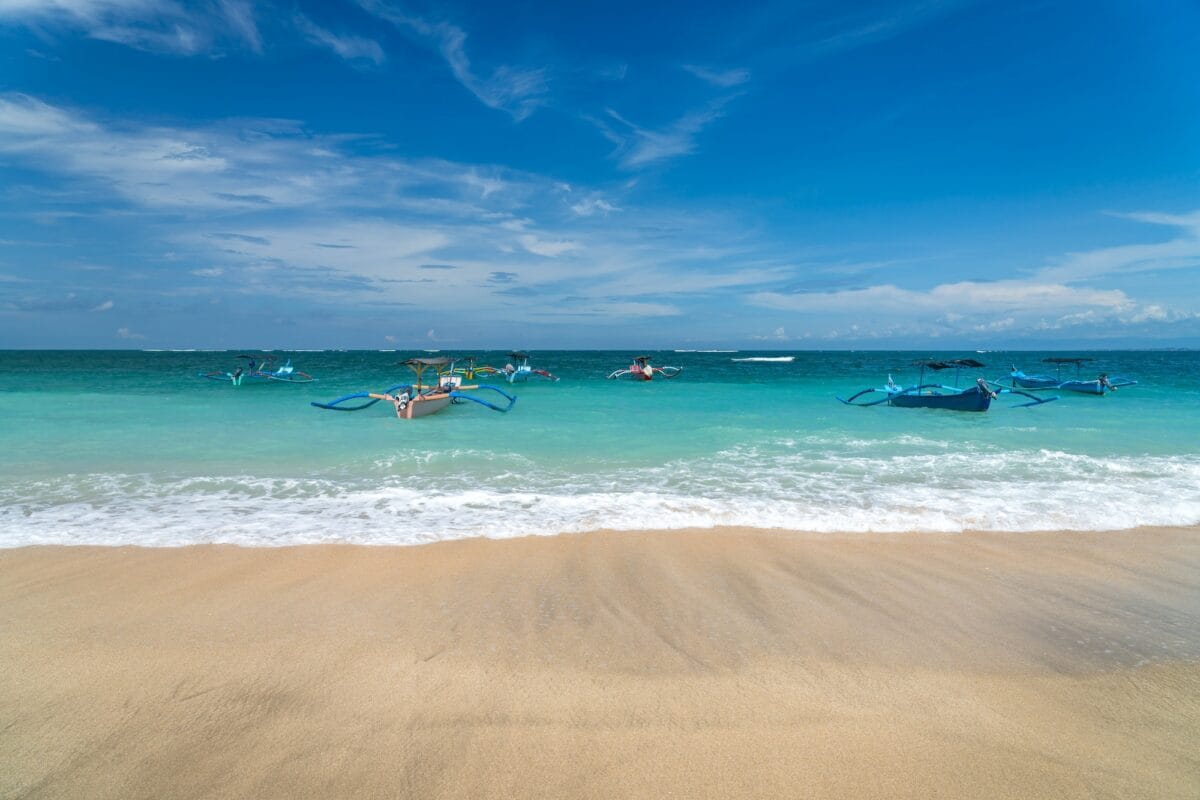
[[657, 371], [512, 400], [470, 372], [371, 397], [293, 377], [892, 390], [850, 402], [1034, 400]]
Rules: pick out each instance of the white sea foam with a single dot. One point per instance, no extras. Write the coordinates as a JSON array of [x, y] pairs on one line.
[[768, 359], [799, 488]]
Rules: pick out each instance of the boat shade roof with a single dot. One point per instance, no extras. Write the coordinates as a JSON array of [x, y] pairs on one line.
[[518, 354]]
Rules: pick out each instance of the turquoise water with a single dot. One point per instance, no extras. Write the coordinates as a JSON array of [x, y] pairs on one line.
[[132, 448]]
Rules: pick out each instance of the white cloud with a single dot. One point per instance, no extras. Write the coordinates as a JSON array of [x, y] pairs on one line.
[[23, 119], [366, 248], [778, 335], [306, 218], [863, 27], [485, 184], [239, 15], [349, 47], [157, 26], [514, 90], [964, 298], [638, 309], [638, 146], [1179, 253], [126, 333], [723, 78], [593, 205], [542, 247], [249, 165], [107, 305]]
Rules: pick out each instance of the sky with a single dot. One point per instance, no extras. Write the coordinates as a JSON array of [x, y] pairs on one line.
[[775, 175]]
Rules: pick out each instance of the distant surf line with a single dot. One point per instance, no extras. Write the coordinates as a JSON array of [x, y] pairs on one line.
[[770, 359]]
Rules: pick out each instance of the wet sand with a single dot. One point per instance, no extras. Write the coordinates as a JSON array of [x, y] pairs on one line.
[[718, 664]]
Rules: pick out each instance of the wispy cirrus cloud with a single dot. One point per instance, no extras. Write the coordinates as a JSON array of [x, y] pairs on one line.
[[347, 46], [517, 91], [342, 223], [247, 164], [156, 26], [340, 227], [1182, 252], [638, 146], [811, 31], [725, 79]]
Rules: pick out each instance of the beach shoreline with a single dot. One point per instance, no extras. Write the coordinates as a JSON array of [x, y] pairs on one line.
[[694, 663]]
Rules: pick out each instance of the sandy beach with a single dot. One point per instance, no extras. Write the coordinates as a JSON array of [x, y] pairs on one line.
[[726, 663]]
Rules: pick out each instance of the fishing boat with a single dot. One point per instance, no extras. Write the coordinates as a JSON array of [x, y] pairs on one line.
[[1100, 385], [418, 399], [517, 370], [260, 369], [977, 397], [470, 368], [642, 370]]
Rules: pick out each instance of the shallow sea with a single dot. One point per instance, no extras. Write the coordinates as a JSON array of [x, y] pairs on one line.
[[128, 447]]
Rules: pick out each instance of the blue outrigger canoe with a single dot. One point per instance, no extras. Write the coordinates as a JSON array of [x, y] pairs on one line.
[[259, 369], [416, 399], [1100, 385], [978, 397]]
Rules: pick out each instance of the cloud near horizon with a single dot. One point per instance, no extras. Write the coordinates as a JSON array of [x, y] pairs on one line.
[[311, 234], [495, 237]]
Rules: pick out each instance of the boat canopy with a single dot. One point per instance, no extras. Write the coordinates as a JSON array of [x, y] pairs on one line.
[[428, 362], [519, 355], [1075, 361]]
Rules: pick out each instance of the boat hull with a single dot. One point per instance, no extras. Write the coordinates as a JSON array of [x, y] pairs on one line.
[[969, 400], [1083, 387], [424, 406], [1034, 382]]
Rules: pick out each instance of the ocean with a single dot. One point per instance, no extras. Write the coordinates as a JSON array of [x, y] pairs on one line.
[[132, 448]]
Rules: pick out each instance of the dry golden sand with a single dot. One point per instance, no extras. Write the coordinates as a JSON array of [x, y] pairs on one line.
[[724, 663]]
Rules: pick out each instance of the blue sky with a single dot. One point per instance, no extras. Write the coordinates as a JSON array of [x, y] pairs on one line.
[[373, 173]]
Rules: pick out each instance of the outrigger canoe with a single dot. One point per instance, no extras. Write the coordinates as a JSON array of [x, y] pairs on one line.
[[415, 399], [977, 397], [1100, 385]]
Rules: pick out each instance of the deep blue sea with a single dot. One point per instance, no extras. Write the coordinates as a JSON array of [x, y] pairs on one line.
[[127, 447]]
